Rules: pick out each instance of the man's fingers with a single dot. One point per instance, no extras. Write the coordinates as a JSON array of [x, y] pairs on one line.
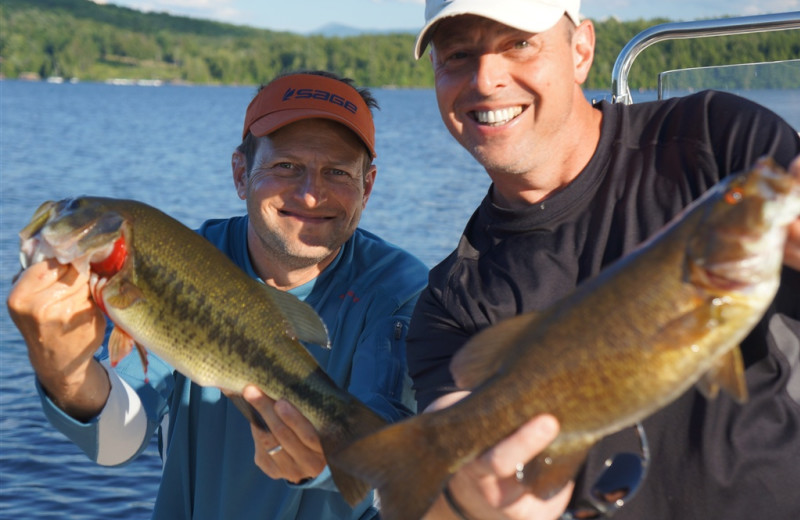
[[520, 447], [300, 453], [300, 426], [447, 400], [791, 254]]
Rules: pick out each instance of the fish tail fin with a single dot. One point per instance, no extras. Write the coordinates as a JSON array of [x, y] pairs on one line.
[[391, 460], [359, 421]]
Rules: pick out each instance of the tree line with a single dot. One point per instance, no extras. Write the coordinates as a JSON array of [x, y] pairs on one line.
[[91, 42]]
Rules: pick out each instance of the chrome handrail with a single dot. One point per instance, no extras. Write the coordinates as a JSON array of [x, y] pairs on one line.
[[620, 93]]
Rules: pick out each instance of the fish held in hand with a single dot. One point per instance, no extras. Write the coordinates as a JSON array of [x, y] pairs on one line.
[[623, 345], [168, 290]]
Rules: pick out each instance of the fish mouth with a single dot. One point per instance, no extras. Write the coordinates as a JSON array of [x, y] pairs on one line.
[[497, 117], [70, 233], [724, 280], [737, 275]]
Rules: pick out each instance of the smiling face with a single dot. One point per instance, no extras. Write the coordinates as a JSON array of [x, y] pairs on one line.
[[305, 191], [512, 98]]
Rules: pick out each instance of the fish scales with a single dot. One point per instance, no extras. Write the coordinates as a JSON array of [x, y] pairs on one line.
[[192, 302], [175, 294], [624, 344]]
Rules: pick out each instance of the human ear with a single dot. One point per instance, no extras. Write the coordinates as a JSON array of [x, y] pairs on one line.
[[239, 170], [369, 182], [583, 50]]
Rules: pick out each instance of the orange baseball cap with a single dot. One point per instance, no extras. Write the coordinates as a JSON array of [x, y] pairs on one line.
[[308, 96]]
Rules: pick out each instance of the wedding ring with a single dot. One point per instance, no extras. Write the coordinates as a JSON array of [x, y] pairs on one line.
[[274, 451]]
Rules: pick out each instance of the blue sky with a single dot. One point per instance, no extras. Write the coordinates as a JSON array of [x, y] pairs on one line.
[[304, 16]]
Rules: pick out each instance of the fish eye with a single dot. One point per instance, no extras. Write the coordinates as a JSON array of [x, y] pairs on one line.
[[74, 203], [68, 204], [734, 195]]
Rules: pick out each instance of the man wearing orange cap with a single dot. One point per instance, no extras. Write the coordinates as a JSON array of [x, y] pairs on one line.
[[305, 169], [575, 186]]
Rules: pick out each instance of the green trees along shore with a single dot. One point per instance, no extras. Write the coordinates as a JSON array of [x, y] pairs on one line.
[[90, 42]]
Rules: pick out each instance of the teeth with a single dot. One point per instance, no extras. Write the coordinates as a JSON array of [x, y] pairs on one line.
[[497, 117]]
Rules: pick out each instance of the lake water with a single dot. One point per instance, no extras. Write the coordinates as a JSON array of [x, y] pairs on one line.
[[170, 147]]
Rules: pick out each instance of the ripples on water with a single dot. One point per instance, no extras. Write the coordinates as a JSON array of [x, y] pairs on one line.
[[171, 147]]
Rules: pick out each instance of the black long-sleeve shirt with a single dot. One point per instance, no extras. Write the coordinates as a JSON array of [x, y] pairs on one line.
[[710, 459]]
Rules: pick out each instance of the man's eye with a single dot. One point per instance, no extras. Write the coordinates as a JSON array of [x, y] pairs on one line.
[[522, 44], [339, 173]]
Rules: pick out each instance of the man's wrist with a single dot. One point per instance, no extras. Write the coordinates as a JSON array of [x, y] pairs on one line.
[[82, 400], [453, 504]]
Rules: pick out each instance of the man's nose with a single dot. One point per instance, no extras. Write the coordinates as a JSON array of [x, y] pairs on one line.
[[490, 73], [312, 189]]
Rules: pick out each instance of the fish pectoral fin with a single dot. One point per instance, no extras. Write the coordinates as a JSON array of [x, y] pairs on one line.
[[690, 325], [728, 374], [483, 354], [120, 345], [549, 472], [304, 322], [123, 295]]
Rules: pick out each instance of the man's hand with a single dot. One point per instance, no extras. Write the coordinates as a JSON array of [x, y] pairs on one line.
[[487, 487], [791, 254], [51, 305], [291, 450]]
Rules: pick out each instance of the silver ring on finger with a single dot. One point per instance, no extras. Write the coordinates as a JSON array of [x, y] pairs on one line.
[[274, 451]]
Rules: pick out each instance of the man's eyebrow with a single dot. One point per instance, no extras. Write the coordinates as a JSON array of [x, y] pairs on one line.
[[450, 40], [453, 38]]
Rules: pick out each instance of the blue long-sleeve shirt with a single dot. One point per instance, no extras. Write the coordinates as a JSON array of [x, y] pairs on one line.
[[365, 297]]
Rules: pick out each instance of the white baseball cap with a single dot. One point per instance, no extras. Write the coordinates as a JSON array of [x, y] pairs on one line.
[[526, 15]]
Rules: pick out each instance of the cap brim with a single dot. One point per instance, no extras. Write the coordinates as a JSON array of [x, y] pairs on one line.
[[277, 120], [519, 14]]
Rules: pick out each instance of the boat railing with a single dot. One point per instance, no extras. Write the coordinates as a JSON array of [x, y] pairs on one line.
[[620, 91]]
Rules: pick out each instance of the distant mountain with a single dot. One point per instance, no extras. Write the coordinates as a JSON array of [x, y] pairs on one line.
[[336, 30]]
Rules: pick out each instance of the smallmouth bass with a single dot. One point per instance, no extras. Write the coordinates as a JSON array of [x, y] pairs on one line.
[[623, 345]]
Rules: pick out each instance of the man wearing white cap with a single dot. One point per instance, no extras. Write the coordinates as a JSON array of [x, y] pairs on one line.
[[305, 170], [574, 187]]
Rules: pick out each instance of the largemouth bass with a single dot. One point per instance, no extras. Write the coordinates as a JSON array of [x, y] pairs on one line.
[[623, 345], [168, 290]]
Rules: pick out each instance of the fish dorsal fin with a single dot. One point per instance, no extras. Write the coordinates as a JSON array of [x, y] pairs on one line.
[[728, 374], [484, 353], [304, 322]]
